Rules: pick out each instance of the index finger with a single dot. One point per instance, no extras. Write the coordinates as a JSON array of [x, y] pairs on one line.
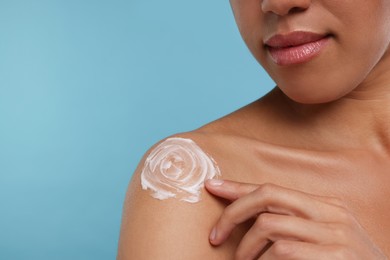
[[229, 190]]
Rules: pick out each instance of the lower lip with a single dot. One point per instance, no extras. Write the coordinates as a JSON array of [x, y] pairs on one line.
[[297, 54]]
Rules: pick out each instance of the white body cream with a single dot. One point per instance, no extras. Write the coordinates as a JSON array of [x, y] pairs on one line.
[[177, 168]]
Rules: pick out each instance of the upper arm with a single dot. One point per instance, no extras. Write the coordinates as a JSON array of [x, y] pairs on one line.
[[169, 228]]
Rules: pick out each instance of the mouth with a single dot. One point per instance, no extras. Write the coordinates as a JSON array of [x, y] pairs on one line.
[[296, 47]]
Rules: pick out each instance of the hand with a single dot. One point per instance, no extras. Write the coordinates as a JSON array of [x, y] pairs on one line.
[[289, 224]]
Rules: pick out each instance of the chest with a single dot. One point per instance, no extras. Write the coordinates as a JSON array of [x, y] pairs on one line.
[[360, 179]]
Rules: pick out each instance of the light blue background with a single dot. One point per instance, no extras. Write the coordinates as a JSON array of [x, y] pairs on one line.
[[86, 86]]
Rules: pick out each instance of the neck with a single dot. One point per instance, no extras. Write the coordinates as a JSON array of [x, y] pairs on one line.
[[360, 119]]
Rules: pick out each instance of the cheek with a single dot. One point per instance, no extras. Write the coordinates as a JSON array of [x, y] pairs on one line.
[[365, 43], [248, 16]]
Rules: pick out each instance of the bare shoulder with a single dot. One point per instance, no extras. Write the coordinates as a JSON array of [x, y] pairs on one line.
[[167, 213]]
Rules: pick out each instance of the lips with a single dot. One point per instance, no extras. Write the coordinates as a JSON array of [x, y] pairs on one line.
[[296, 47]]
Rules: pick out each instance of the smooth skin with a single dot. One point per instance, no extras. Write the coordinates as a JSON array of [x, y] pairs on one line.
[[306, 167]]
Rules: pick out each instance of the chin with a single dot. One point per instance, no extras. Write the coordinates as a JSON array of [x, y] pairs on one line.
[[311, 96], [311, 101]]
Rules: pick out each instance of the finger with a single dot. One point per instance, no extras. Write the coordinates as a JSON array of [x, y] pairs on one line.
[[298, 250], [273, 199], [229, 190], [273, 227], [232, 191]]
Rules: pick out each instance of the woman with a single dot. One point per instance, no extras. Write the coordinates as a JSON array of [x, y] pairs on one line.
[[302, 173]]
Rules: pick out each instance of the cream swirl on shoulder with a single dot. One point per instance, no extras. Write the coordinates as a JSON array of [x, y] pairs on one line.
[[177, 168]]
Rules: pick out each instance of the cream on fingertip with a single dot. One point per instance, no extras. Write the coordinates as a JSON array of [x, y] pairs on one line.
[[215, 182]]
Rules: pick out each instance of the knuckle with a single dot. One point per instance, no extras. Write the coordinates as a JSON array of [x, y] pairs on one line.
[[282, 249], [266, 190], [264, 222]]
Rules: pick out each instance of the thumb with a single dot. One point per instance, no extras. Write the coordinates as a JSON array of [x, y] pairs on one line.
[[229, 190]]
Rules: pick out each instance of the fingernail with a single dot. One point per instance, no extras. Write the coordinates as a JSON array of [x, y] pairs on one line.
[[215, 182], [213, 234]]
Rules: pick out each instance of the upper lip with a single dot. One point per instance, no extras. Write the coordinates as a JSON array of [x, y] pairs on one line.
[[293, 39]]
